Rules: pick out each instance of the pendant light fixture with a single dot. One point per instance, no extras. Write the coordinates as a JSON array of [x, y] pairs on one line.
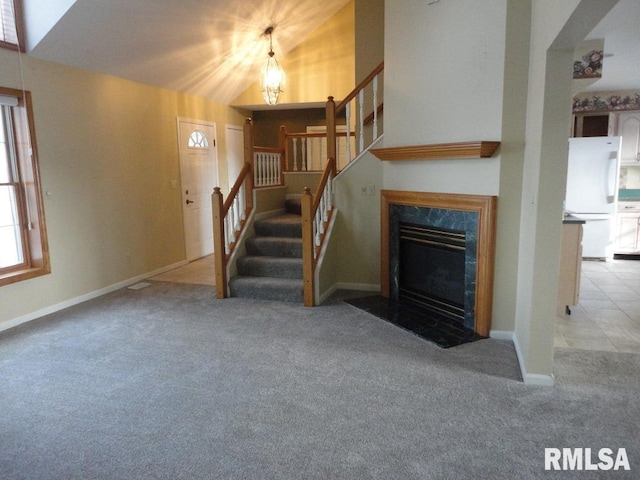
[[271, 76]]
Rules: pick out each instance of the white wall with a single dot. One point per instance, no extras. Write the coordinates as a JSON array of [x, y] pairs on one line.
[[444, 67]]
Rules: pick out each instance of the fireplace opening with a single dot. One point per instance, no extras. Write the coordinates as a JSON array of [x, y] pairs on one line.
[[431, 269]]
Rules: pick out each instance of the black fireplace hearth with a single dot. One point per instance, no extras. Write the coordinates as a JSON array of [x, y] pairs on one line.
[[428, 325]]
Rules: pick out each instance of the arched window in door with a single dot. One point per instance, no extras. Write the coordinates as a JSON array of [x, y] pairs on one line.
[[197, 139]]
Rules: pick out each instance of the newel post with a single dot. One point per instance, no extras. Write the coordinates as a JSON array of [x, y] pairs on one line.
[[306, 205], [219, 253], [331, 128]]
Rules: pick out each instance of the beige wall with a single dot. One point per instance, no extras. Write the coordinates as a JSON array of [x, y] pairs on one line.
[[321, 66], [108, 157], [369, 36]]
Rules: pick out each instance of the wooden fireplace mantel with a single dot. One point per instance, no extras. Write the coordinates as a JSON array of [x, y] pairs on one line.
[[438, 151]]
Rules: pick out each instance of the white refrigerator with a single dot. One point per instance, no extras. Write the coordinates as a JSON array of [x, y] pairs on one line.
[[592, 191]]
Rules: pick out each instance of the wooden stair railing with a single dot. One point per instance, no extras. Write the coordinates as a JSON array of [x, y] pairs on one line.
[[305, 151], [355, 101], [316, 212], [268, 163], [229, 218]]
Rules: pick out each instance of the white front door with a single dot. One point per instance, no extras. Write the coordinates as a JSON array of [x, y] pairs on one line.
[[199, 175]]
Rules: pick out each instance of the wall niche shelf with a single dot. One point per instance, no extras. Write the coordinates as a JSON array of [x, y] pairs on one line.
[[438, 151]]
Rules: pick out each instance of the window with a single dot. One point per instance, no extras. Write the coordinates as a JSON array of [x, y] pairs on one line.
[[23, 240], [198, 139], [11, 24]]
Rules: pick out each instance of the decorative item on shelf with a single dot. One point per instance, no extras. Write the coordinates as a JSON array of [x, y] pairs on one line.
[[272, 76]]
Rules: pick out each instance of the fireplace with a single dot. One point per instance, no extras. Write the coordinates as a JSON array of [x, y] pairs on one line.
[[431, 269], [438, 252]]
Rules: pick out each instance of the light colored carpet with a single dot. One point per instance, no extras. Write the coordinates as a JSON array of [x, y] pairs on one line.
[[167, 382]]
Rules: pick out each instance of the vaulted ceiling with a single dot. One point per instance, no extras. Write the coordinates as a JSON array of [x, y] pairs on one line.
[[214, 48], [210, 48]]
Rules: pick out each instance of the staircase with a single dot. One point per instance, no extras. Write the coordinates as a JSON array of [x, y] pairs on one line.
[[272, 268]]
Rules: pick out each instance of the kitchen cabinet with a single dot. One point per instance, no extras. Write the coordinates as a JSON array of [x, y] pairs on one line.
[[628, 232], [570, 265], [628, 127]]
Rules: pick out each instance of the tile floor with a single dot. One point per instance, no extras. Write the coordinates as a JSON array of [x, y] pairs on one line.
[[608, 314], [199, 271]]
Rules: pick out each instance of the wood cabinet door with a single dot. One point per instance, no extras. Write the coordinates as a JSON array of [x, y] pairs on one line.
[[627, 235], [629, 130]]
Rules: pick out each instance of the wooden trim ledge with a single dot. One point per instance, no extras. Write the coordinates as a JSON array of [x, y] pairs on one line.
[[479, 149]]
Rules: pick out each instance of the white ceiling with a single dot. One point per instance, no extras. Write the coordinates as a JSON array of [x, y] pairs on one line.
[[210, 48], [621, 32], [214, 48]]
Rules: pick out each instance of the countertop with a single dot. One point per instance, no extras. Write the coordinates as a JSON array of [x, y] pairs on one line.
[[572, 219]]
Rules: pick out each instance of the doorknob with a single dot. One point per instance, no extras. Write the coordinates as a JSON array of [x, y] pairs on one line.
[[189, 201]]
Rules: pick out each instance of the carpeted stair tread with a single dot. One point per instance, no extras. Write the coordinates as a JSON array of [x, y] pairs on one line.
[[268, 288], [263, 266], [272, 268], [285, 225], [275, 246]]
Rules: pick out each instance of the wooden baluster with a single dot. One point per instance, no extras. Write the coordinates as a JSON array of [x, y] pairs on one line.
[[318, 230], [327, 199], [375, 107], [295, 154], [248, 192], [276, 168], [347, 110], [242, 203], [237, 214], [275, 171], [220, 263], [360, 129], [228, 229]]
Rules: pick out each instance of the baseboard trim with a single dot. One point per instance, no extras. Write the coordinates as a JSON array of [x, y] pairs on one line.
[[83, 298], [501, 334], [531, 378], [358, 287]]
